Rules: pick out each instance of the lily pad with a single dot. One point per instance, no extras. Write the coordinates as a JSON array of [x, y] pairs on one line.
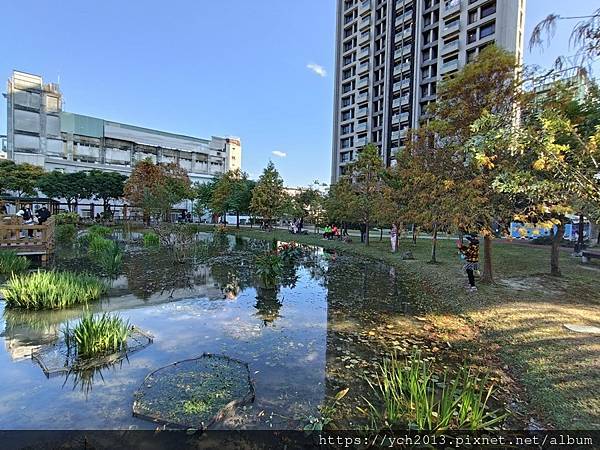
[[194, 393]]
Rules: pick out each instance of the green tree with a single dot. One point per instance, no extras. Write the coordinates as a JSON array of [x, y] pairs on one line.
[[19, 178], [70, 186], [106, 186], [366, 177], [202, 193], [268, 196], [232, 192]]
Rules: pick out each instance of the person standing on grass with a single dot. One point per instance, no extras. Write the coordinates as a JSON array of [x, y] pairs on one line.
[[471, 256], [393, 237]]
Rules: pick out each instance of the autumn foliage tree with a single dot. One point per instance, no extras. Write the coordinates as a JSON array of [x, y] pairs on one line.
[[155, 188]]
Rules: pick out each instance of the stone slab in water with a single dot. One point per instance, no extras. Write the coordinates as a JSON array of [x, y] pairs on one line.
[[57, 358], [583, 328], [194, 393]]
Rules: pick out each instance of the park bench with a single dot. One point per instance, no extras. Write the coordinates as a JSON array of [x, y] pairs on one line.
[[586, 255]]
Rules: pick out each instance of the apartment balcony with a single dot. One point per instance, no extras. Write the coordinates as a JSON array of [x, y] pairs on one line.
[[360, 128], [364, 38], [395, 150], [403, 18], [362, 112], [364, 6], [365, 21], [450, 28], [400, 101], [361, 142], [405, 3], [450, 7], [402, 117], [363, 53], [449, 66], [363, 68], [450, 47], [401, 68], [362, 83], [362, 97]]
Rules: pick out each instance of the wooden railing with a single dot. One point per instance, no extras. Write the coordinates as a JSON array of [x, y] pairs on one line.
[[27, 239]]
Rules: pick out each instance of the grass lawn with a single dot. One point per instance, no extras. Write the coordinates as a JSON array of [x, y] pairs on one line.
[[518, 322]]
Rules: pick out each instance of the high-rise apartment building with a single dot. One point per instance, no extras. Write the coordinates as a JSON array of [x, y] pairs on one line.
[[390, 54], [39, 132]]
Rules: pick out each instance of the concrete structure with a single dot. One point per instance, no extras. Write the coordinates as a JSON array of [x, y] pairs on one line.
[[390, 54], [3, 153], [39, 132], [572, 77]]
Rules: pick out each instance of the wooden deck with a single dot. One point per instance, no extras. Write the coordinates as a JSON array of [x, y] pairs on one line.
[[28, 240]]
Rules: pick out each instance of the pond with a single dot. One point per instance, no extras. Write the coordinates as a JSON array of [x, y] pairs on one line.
[[333, 319]]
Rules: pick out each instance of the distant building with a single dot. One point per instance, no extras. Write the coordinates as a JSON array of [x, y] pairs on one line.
[[572, 77], [39, 132], [3, 154], [390, 57]]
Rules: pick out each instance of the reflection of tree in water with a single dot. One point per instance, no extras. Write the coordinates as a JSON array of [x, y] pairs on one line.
[[232, 273], [84, 379], [150, 272], [267, 305]]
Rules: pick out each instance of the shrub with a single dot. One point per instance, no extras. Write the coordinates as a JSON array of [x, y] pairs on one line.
[[99, 230], [11, 263], [66, 232], [413, 396], [269, 268], [97, 335], [66, 218], [51, 290], [151, 240], [97, 245]]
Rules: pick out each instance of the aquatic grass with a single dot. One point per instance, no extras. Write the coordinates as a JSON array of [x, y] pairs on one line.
[[411, 395], [11, 263], [110, 259], [269, 267], [151, 240], [51, 290], [97, 335], [99, 230], [65, 233]]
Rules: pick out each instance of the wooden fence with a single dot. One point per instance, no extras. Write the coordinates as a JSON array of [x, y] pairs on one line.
[[27, 240]]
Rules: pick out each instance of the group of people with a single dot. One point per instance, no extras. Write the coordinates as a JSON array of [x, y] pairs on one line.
[[296, 226], [185, 217], [334, 232]]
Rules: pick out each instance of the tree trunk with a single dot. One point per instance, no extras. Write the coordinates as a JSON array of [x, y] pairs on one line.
[[580, 234], [488, 275], [380, 234], [367, 232], [434, 244], [555, 252], [414, 234], [397, 238], [237, 219]]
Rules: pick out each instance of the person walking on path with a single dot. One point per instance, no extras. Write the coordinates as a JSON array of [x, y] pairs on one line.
[[471, 256], [393, 237]]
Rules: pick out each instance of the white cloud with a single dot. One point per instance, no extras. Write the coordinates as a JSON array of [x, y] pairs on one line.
[[316, 68], [279, 154]]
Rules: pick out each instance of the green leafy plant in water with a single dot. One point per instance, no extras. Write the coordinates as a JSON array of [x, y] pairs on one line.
[[269, 268], [65, 233], [51, 290], [99, 230], [327, 411], [412, 395], [151, 240], [11, 263], [97, 335], [290, 252]]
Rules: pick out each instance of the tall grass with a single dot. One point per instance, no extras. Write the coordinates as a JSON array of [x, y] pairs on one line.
[[151, 240], [51, 290], [411, 395], [97, 335], [106, 253], [99, 230], [11, 263]]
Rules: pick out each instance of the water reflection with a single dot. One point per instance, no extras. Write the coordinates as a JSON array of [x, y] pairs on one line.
[[303, 341]]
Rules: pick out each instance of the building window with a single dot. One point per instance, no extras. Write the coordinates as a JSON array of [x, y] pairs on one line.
[[488, 9], [471, 35], [472, 16], [487, 30]]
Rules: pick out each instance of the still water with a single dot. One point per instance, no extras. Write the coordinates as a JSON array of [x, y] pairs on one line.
[[326, 329]]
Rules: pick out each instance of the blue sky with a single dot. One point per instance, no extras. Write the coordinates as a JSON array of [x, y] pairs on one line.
[[261, 70]]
